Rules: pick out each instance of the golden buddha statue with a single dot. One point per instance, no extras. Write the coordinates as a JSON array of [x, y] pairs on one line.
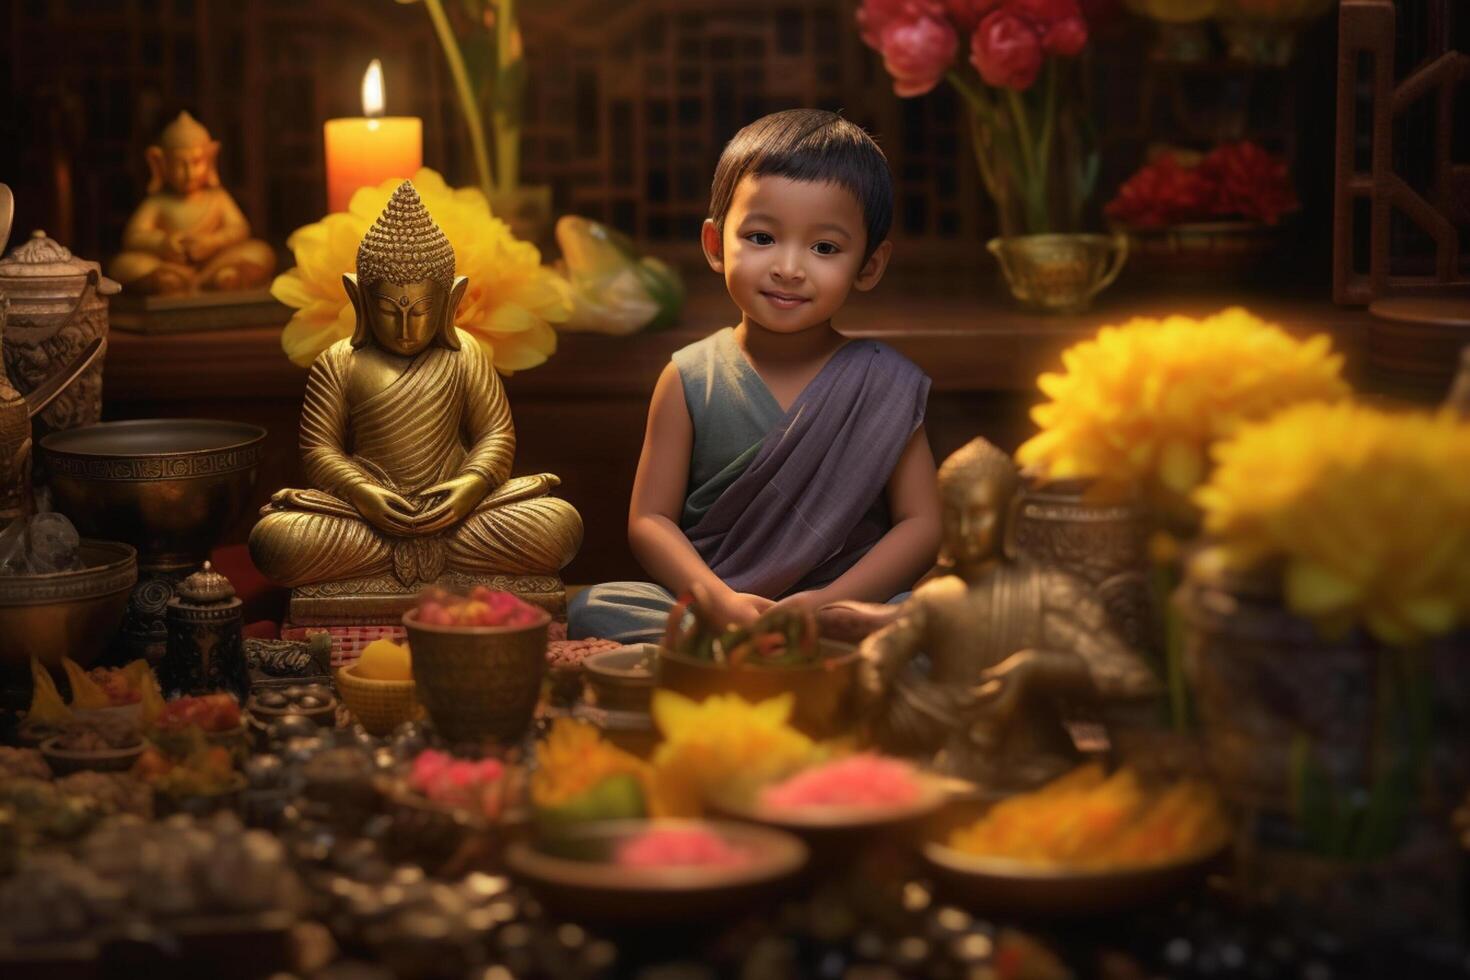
[[1014, 649], [407, 439], [189, 233]]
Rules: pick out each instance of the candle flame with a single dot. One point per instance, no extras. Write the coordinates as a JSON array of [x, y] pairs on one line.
[[372, 89]]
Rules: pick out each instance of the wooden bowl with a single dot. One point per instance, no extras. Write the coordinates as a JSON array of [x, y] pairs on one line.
[[824, 690], [589, 887], [622, 679], [66, 761]]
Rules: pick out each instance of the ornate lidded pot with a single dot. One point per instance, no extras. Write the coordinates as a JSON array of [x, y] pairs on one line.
[[58, 304], [206, 651]]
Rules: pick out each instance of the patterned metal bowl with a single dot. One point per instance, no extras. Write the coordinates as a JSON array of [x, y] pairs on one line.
[[166, 486], [67, 614]]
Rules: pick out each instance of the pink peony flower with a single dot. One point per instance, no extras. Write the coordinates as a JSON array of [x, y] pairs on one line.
[[918, 53], [874, 16], [858, 780], [681, 847], [1006, 51], [1041, 14]]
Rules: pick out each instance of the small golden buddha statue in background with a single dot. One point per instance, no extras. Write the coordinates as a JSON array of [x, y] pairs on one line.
[[1012, 647], [407, 439], [189, 234]]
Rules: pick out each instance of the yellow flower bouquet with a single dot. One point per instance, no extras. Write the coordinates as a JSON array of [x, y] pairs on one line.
[[510, 304], [1366, 512], [1138, 406]]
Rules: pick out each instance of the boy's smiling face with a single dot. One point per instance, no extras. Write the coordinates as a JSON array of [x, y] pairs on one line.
[[791, 251]]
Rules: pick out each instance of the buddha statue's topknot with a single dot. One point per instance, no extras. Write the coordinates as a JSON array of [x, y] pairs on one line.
[[405, 245]]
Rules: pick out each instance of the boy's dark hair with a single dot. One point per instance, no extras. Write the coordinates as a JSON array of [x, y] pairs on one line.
[[812, 145]]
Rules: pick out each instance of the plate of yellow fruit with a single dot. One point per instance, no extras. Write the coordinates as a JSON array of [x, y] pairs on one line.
[[1084, 843], [378, 687]]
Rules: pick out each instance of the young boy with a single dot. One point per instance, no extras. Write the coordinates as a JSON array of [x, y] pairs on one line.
[[782, 463]]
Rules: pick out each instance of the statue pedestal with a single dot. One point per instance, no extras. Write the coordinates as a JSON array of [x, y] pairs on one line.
[[382, 601], [197, 312]]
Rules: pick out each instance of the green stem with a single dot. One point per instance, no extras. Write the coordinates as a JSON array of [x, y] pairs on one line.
[[507, 135], [1032, 179], [1048, 124], [463, 91], [984, 117]]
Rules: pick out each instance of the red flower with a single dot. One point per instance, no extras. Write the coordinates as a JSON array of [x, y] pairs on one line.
[[1249, 182], [1163, 192], [967, 14], [1041, 14], [1006, 50], [874, 16], [1066, 37], [918, 53]]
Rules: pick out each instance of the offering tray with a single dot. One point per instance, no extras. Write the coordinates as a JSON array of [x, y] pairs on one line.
[[591, 887], [66, 761]]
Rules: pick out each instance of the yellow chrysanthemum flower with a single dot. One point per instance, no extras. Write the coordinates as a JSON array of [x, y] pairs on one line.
[[1367, 512], [509, 306], [574, 759], [724, 744], [1139, 405]]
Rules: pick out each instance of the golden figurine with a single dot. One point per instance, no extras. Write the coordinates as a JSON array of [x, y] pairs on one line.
[[189, 234], [407, 439], [1013, 648]]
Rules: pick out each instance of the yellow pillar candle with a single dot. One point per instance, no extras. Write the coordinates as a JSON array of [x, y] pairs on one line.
[[365, 151]]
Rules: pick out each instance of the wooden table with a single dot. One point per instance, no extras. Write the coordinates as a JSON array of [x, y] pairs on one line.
[[581, 415]]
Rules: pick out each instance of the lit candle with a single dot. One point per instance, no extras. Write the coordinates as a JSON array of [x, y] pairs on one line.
[[364, 152]]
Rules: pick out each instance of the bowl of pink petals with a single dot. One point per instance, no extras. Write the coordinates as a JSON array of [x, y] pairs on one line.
[[849, 797], [643, 872]]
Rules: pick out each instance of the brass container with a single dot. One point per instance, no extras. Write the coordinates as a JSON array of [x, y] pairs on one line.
[[478, 682], [1059, 273], [166, 486], [58, 304], [380, 706], [824, 691], [66, 614], [1104, 544], [206, 648]]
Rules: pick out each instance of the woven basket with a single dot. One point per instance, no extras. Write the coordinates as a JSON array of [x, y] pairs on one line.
[[478, 682], [380, 706]]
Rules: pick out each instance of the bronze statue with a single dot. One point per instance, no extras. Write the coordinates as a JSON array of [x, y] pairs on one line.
[[189, 234], [1012, 647], [407, 439]]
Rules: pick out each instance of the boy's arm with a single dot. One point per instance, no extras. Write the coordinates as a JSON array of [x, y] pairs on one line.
[[909, 548], [658, 500]]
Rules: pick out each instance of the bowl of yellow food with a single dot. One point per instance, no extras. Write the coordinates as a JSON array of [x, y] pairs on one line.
[[378, 688], [1086, 843]]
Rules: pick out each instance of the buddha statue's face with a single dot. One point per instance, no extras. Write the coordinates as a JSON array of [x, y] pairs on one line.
[[187, 168], [404, 319], [974, 520]]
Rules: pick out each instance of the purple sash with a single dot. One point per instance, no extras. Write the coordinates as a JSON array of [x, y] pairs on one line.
[[806, 508]]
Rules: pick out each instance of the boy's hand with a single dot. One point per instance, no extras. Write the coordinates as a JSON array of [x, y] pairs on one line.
[[739, 608], [809, 601]]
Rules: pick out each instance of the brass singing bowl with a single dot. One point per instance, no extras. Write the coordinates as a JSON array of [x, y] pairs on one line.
[[166, 486], [823, 691], [67, 614]]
